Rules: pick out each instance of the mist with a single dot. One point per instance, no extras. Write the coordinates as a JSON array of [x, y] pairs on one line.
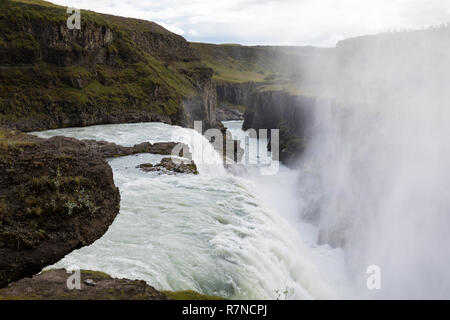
[[379, 153]]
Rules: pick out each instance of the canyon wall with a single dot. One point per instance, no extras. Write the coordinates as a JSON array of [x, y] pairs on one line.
[[112, 70], [292, 115], [263, 85]]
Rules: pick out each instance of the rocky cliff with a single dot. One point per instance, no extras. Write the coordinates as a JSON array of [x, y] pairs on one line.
[[56, 195], [112, 70], [233, 98], [270, 87], [292, 115]]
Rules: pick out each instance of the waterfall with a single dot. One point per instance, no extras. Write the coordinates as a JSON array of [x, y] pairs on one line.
[[217, 233], [380, 157], [207, 159]]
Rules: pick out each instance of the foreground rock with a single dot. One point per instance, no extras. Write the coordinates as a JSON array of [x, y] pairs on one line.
[[56, 196], [167, 165], [94, 285]]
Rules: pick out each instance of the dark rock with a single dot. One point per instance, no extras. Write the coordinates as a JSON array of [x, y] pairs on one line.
[[292, 115], [56, 196], [52, 285], [238, 94], [110, 149], [146, 167], [203, 106], [168, 164]]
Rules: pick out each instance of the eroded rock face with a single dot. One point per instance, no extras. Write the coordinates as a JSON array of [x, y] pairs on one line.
[[56, 196], [292, 115], [236, 93], [94, 285], [168, 165], [203, 106]]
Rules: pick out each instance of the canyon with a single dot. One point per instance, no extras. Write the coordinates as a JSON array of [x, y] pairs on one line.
[[335, 110]]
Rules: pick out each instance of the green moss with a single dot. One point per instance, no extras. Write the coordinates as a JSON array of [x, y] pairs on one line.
[[189, 295], [229, 69], [73, 96], [96, 274], [88, 273], [96, 90]]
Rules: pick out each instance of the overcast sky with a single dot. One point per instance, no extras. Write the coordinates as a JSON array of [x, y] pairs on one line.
[[286, 22]]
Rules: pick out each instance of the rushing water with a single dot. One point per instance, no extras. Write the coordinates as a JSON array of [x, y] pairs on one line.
[[237, 236]]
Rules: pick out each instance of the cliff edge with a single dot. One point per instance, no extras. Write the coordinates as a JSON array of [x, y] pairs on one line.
[[56, 196], [111, 70]]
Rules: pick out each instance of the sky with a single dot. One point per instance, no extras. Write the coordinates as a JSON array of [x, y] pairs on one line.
[[276, 22]]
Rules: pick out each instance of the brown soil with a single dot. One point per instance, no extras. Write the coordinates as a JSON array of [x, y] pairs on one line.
[[94, 285]]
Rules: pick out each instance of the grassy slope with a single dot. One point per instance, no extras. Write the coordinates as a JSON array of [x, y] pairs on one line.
[[228, 69], [31, 90], [189, 295], [275, 68]]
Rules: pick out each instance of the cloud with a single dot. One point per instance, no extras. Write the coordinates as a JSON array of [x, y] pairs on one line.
[[294, 22], [173, 28]]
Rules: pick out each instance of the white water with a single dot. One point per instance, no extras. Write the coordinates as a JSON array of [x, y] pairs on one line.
[[216, 233], [381, 151]]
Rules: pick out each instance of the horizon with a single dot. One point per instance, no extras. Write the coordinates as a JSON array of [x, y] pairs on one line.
[[266, 22]]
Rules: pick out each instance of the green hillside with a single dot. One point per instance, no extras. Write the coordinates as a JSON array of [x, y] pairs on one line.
[[113, 65]]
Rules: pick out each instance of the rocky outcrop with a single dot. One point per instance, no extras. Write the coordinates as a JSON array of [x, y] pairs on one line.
[[56, 196], [94, 285], [203, 106], [168, 165], [112, 150]]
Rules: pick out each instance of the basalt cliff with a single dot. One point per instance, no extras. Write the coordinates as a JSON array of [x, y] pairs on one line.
[[111, 70]]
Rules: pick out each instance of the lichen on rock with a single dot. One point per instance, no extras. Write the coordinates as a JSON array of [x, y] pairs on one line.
[[56, 196]]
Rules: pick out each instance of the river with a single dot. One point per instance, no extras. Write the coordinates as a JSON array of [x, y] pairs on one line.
[[239, 236]]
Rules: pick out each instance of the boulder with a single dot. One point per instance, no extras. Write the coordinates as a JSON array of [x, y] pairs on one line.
[[94, 285], [56, 196], [167, 165], [111, 150]]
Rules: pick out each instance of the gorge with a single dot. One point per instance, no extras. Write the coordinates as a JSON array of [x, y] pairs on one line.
[[363, 148]]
